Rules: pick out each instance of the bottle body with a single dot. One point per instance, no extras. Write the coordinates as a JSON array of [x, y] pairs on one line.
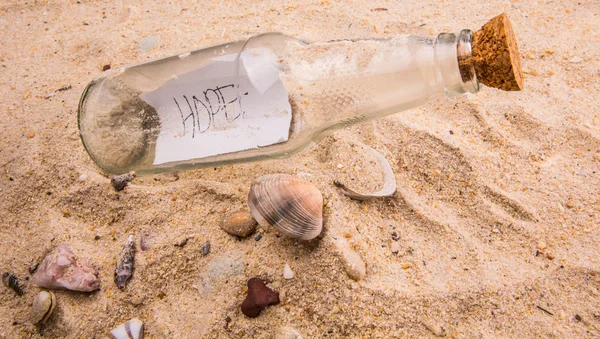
[[265, 97]]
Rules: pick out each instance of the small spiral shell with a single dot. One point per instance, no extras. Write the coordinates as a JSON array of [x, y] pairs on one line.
[[292, 205]]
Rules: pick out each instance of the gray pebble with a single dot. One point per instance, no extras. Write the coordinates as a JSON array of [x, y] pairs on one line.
[[119, 182], [206, 248]]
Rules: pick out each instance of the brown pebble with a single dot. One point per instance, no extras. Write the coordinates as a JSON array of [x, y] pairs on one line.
[[240, 223], [550, 256], [578, 317], [105, 68], [259, 297]]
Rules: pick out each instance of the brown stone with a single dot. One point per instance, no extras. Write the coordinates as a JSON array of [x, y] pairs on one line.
[[259, 297], [239, 223]]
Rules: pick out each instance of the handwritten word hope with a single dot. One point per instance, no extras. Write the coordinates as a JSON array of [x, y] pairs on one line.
[[215, 108]]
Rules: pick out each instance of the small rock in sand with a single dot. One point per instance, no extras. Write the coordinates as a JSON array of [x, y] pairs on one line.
[[259, 297], [541, 245], [119, 182], [206, 248], [395, 247], [240, 223]]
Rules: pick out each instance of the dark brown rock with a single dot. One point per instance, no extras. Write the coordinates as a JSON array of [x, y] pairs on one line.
[[259, 297]]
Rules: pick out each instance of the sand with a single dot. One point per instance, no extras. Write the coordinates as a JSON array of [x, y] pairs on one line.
[[497, 209]]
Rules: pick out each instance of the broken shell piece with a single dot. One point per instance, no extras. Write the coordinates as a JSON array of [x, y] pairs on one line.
[[287, 272], [60, 270], [133, 329], [292, 205], [259, 297], [389, 182], [43, 306], [287, 333], [240, 223], [124, 267]]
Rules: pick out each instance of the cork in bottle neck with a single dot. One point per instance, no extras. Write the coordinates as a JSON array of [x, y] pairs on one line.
[[451, 51], [495, 55]]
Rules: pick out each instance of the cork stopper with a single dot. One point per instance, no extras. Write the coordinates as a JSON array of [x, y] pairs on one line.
[[496, 57]]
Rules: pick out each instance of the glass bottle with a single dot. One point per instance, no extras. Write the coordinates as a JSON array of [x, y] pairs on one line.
[[266, 97]]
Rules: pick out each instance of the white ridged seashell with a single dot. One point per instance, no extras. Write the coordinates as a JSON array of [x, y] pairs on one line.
[[290, 204], [132, 329]]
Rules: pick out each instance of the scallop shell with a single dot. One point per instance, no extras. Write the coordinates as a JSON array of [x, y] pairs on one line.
[[292, 205], [43, 306]]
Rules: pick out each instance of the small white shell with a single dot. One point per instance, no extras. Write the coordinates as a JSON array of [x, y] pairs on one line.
[[132, 329], [292, 205], [287, 272], [43, 306], [389, 182]]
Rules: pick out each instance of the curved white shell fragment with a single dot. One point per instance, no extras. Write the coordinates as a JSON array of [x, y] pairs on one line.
[[132, 329], [287, 272], [389, 182], [290, 204], [43, 306]]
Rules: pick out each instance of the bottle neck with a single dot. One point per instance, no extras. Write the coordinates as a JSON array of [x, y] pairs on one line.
[[454, 63]]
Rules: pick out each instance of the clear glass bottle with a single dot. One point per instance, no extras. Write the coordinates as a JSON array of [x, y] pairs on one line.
[[262, 98]]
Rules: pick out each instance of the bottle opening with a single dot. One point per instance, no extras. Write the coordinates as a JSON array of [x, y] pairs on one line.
[[466, 65], [455, 62]]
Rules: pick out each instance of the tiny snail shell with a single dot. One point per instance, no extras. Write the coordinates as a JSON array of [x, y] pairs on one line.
[[292, 205], [43, 306]]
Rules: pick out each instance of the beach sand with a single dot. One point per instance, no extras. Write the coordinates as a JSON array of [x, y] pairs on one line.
[[497, 210]]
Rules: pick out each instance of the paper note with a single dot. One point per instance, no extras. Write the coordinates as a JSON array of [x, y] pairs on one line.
[[226, 106]]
